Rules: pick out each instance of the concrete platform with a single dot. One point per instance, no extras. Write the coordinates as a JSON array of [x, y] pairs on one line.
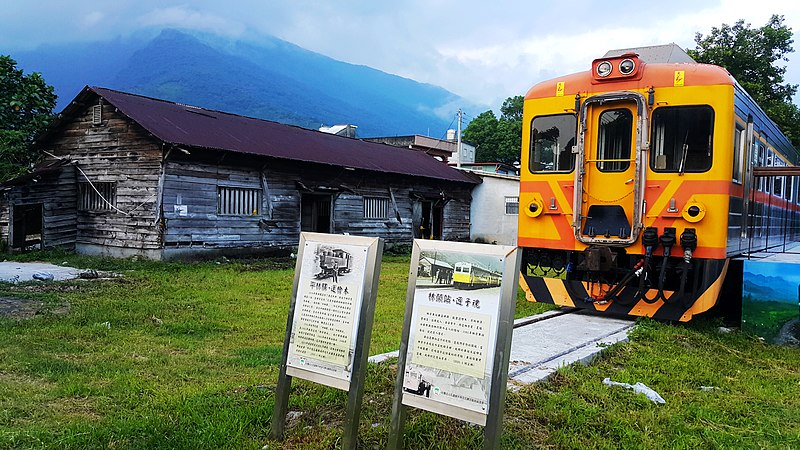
[[11, 271], [788, 253], [542, 347], [546, 342]]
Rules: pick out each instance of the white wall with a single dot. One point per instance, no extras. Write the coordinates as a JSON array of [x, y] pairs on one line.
[[488, 218]]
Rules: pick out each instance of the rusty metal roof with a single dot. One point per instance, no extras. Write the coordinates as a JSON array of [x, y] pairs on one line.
[[192, 126]]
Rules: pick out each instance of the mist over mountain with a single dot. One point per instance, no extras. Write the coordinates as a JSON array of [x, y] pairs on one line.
[[770, 288], [268, 78]]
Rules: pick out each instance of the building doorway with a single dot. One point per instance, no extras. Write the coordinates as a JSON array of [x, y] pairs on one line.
[[428, 218], [315, 212], [26, 228]]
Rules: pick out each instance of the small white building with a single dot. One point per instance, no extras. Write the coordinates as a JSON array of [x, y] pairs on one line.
[[346, 130], [495, 209]]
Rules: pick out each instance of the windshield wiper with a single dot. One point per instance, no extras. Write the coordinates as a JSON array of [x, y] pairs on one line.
[[682, 167]]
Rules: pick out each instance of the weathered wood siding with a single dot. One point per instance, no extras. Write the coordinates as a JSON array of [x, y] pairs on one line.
[[117, 150], [166, 199], [191, 215], [4, 238], [192, 219], [56, 193], [456, 221]]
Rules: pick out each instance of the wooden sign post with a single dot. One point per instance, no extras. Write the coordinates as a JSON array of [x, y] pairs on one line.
[[457, 333], [330, 321]]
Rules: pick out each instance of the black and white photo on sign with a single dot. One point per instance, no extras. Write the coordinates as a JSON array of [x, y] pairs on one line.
[[327, 309], [451, 340]]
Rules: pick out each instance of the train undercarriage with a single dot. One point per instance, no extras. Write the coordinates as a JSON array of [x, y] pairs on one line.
[[610, 279]]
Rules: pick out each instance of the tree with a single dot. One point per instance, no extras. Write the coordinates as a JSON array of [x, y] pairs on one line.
[[752, 55], [26, 108], [498, 140]]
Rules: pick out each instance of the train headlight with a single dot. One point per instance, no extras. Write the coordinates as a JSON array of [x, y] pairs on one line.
[[604, 69], [534, 208], [627, 66], [693, 211]]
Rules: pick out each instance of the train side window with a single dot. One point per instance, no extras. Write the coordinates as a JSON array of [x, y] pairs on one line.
[[761, 158], [777, 186], [779, 182], [682, 139], [552, 142], [770, 161], [614, 140], [738, 154]]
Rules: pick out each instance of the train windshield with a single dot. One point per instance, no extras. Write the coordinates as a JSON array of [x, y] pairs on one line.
[[552, 140], [682, 137]]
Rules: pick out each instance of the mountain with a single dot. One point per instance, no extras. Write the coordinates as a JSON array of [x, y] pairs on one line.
[[770, 288], [268, 78]]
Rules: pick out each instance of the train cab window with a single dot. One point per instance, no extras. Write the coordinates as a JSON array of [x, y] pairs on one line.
[[682, 138], [552, 142], [614, 140]]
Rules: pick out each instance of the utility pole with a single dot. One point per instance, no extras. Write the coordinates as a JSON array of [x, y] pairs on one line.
[[458, 140]]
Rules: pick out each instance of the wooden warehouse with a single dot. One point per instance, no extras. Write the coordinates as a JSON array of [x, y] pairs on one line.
[[129, 175]]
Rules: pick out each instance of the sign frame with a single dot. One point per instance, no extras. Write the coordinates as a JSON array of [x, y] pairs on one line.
[[492, 420], [363, 331]]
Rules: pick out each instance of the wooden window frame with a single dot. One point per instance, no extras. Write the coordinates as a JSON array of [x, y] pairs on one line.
[[239, 201], [98, 196], [376, 208]]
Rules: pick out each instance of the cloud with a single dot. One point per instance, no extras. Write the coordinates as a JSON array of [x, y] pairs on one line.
[[485, 51], [492, 68], [184, 17], [92, 19]]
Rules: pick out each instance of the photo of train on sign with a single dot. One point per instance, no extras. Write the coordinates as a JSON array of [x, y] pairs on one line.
[[640, 181], [473, 276], [333, 262]]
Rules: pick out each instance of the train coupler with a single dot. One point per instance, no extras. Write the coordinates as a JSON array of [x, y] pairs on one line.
[[598, 259]]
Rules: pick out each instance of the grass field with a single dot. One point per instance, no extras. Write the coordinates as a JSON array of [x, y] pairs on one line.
[[765, 318], [185, 356]]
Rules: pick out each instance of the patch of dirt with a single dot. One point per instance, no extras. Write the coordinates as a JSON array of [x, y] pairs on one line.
[[25, 308], [74, 407]]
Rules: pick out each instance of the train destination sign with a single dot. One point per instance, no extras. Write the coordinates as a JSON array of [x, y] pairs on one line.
[[330, 321], [457, 330], [330, 284]]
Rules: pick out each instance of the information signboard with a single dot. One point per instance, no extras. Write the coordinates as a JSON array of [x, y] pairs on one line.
[[326, 312], [330, 322], [458, 324]]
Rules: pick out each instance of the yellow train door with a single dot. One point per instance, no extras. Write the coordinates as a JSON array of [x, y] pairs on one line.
[[609, 180]]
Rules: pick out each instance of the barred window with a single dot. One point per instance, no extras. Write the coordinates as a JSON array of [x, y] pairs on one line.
[[101, 197], [238, 201], [376, 208], [512, 205]]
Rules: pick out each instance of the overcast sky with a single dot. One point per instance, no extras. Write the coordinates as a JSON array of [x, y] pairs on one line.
[[484, 51]]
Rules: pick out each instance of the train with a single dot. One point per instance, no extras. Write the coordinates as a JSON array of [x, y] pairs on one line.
[[333, 260], [641, 182], [471, 276]]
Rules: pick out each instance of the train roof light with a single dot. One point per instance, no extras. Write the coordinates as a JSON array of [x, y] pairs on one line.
[[627, 66], [604, 69]]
